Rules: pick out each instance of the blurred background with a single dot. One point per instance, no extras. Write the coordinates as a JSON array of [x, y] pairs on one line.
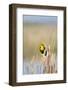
[[37, 30]]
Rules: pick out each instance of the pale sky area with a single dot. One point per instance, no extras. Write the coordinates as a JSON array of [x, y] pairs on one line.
[[40, 19]]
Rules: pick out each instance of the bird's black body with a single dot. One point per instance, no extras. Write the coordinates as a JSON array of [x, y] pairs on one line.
[[42, 51]]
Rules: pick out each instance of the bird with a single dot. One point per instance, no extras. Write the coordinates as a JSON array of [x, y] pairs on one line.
[[43, 50], [48, 58], [45, 57]]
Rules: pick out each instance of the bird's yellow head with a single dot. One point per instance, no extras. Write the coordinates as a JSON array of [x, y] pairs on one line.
[[42, 48]]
